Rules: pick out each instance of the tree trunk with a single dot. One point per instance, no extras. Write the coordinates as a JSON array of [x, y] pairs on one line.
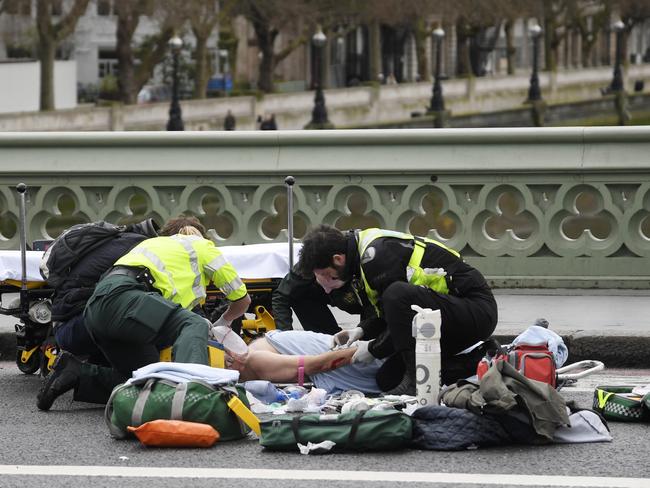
[[550, 46], [265, 40], [464, 65], [587, 47], [202, 67], [375, 51], [420, 36], [126, 24], [265, 82], [49, 37], [510, 46], [46, 52]]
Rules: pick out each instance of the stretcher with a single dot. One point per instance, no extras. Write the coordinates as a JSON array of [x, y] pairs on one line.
[[25, 295], [261, 267]]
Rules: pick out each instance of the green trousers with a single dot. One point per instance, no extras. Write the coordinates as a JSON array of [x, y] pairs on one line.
[[131, 325]]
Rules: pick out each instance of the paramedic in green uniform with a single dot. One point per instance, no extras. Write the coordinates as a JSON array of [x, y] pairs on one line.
[[142, 305]]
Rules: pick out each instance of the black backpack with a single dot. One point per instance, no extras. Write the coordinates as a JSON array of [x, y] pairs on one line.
[[72, 245]]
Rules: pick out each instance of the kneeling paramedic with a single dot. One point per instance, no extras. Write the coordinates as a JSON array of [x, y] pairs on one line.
[[141, 306], [311, 302], [397, 270]]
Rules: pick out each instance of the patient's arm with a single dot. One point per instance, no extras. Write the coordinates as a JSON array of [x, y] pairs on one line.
[[278, 368]]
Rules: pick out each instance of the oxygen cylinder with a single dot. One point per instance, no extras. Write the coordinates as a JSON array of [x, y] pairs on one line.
[[426, 330]]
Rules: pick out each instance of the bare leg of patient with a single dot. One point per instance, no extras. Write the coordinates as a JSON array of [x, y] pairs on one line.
[[265, 363]]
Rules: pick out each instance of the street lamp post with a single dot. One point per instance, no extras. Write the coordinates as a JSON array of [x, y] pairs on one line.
[[617, 87], [437, 104], [437, 100], [319, 113], [534, 92], [537, 105], [175, 121], [617, 80]]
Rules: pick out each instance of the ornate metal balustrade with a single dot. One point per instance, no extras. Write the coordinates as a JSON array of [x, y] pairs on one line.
[[529, 207]]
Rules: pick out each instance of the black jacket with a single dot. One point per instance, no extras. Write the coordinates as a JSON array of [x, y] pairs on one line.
[[386, 263], [70, 297], [293, 288]]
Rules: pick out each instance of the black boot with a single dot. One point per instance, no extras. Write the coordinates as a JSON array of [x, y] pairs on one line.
[[407, 386], [63, 377]]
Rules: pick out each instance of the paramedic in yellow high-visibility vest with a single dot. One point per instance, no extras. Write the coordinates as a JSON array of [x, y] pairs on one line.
[[396, 270], [143, 304]]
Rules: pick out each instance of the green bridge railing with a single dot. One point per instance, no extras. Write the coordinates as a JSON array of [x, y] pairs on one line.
[[529, 207]]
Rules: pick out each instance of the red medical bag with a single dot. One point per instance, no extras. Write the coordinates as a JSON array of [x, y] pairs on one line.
[[533, 361]]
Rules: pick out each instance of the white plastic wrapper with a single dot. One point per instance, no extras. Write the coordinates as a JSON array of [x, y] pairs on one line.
[[320, 448]]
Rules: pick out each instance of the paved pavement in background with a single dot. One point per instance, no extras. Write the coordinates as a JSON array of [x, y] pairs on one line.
[[608, 325]]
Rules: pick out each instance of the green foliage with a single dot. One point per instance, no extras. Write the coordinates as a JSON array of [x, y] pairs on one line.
[[108, 88]]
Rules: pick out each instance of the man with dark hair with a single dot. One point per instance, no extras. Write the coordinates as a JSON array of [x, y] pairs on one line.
[[142, 305], [397, 270], [310, 302]]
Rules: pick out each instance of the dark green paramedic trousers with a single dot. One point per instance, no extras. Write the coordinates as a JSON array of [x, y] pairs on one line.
[[131, 325]]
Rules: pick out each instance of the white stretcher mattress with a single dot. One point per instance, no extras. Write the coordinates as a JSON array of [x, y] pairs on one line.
[[252, 261]]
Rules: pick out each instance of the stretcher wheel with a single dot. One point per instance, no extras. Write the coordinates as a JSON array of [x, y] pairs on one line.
[[30, 366]]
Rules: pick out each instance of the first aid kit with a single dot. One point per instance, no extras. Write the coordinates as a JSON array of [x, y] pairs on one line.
[[623, 403], [370, 430], [534, 361], [225, 408]]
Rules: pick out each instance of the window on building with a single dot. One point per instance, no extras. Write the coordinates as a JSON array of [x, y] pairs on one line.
[[107, 63], [103, 7]]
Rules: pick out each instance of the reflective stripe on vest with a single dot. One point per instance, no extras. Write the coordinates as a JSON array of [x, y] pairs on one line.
[[174, 264], [197, 288]]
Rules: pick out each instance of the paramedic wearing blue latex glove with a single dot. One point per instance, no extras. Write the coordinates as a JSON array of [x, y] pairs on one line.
[[142, 305], [397, 270]]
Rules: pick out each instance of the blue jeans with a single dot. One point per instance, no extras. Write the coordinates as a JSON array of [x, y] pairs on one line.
[[73, 337]]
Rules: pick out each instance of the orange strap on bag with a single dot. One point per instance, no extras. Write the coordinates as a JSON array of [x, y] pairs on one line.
[[175, 433]]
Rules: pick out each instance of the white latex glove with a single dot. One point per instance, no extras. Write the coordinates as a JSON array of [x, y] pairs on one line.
[[346, 337], [362, 355], [222, 321]]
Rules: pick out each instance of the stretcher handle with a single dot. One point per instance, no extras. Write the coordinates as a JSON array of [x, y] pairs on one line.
[[289, 181], [21, 188], [591, 365]]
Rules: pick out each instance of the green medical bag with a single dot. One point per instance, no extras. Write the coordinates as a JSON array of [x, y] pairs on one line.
[[358, 431], [619, 403], [194, 401]]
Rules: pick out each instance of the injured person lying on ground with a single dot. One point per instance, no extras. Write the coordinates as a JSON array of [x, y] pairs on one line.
[[285, 356]]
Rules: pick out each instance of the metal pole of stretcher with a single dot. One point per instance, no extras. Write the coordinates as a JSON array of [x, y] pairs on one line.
[[289, 181], [21, 188]]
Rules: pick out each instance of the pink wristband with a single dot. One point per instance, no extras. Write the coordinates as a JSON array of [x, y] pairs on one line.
[[301, 370]]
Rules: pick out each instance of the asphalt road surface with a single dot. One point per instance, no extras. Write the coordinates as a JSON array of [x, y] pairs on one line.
[[70, 446]]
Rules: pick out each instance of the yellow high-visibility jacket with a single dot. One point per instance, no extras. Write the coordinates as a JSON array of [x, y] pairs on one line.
[[182, 266]]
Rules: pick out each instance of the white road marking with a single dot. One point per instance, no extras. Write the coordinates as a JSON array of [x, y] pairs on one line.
[[326, 475]]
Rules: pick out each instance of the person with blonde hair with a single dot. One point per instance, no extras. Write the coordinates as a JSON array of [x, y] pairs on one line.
[[143, 304]]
